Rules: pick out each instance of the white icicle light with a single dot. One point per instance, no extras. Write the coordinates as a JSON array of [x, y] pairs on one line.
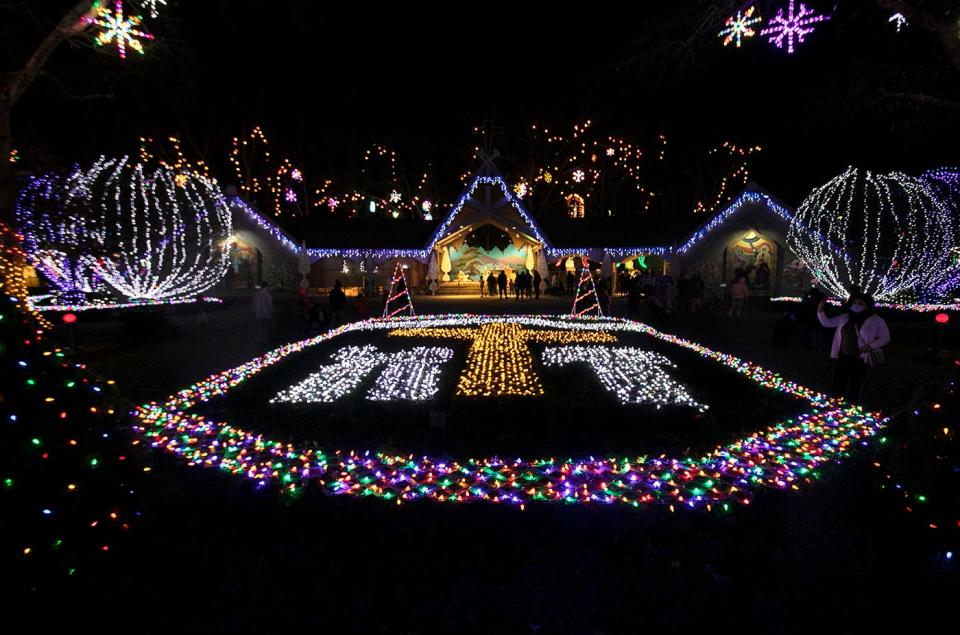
[[888, 234], [634, 375], [164, 233]]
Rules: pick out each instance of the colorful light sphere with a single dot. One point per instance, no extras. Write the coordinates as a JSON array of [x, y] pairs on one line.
[[738, 27], [122, 30], [160, 241], [792, 26], [69, 318], [891, 235], [942, 318]]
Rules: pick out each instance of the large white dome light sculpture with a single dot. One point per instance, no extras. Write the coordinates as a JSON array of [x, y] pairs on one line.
[[891, 235], [164, 232]]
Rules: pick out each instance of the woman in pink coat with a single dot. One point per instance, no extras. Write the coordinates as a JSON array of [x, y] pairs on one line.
[[859, 332]]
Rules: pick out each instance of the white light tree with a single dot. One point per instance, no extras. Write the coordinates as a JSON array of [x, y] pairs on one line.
[[890, 235], [164, 232]]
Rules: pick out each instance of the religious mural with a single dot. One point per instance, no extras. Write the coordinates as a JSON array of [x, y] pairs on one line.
[[242, 269], [475, 262], [754, 257]]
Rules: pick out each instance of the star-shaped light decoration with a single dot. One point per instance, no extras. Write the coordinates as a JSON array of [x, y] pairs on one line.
[[793, 25], [115, 27], [737, 27]]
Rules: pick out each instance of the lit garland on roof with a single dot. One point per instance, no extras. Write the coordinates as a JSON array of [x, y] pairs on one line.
[[785, 456], [897, 234]]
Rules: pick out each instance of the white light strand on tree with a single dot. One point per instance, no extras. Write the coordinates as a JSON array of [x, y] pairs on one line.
[[891, 235], [164, 233]]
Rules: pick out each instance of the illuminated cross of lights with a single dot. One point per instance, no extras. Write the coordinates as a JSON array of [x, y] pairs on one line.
[[792, 26], [499, 361], [737, 27], [117, 28]]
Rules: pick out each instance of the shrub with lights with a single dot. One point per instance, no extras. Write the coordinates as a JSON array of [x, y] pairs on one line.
[[891, 235], [68, 483]]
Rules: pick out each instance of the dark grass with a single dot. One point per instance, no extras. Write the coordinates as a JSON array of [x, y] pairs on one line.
[[214, 554]]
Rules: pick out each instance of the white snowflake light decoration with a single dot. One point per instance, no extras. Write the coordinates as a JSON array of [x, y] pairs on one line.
[[792, 26], [578, 176], [395, 196]]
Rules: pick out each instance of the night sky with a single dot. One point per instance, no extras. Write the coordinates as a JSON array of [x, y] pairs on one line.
[[326, 82]]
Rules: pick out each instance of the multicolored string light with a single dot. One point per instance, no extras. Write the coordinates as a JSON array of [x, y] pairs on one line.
[[738, 27], [124, 31], [896, 234], [785, 456]]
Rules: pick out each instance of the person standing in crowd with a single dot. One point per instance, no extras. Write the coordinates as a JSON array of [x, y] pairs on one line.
[[812, 331], [491, 285], [502, 284], [696, 294], [571, 283], [338, 303], [858, 344], [361, 307], [303, 311], [537, 281], [483, 286], [263, 312], [738, 296]]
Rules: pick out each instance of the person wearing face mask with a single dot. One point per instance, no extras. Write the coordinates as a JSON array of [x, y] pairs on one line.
[[860, 334]]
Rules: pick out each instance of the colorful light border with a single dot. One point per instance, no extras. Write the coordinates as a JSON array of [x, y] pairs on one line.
[[908, 307], [103, 306], [784, 456]]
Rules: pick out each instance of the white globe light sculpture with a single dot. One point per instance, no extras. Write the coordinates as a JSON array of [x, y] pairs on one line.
[[164, 232], [890, 235]]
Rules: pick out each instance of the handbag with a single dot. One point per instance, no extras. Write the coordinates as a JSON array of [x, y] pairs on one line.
[[874, 357]]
